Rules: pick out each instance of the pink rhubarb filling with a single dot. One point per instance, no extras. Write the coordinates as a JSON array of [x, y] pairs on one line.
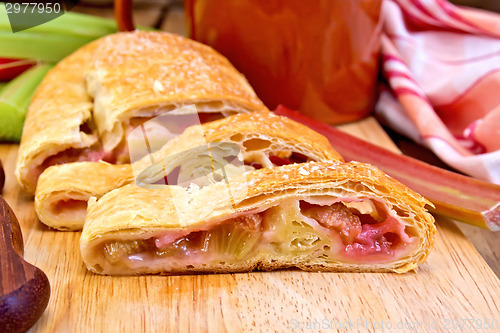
[[351, 236], [363, 236], [70, 155], [68, 204]]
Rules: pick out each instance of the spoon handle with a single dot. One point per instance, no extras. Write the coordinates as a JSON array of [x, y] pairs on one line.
[[24, 288], [2, 177]]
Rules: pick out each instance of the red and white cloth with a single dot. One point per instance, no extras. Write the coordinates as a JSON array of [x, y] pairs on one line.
[[442, 64]]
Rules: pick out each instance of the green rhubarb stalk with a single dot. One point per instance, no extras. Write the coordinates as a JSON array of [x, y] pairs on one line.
[[2, 85], [69, 23], [77, 24], [39, 46], [15, 97], [55, 39], [52, 40]]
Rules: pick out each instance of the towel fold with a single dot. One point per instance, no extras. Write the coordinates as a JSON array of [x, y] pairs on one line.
[[442, 66]]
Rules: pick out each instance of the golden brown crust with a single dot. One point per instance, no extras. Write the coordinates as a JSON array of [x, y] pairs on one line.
[[281, 133], [118, 77], [132, 211], [134, 71], [296, 135], [59, 107], [83, 180]]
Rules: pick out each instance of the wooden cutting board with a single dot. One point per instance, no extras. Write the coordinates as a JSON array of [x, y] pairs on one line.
[[454, 291]]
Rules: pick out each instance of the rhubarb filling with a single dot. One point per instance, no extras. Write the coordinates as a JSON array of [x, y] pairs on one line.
[[92, 154], [120, 154], [325, 230]]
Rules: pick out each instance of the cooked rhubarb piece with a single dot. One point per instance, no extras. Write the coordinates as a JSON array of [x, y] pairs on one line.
[[314, 216], [335, 232]]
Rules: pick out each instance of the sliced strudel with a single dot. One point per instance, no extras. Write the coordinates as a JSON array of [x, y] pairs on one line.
[[317, 216]]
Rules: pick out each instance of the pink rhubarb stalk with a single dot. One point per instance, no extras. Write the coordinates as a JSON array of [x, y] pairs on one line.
[[456, 196]]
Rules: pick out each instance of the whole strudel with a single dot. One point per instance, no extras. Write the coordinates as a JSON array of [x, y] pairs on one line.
[[90, 101]]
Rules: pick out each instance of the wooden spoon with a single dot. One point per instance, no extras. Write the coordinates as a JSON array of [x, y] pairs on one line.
[[24, 288], [2, 177]]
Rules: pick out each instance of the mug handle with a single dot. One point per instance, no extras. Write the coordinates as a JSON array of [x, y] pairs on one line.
[[123, 15]]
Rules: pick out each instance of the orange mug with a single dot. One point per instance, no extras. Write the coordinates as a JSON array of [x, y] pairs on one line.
[[316, 56]]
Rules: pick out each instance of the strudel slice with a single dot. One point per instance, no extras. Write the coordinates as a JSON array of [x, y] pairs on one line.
[[317, 216], [249, 141]]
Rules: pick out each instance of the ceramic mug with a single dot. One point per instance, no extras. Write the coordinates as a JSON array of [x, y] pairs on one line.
[[316, 56]]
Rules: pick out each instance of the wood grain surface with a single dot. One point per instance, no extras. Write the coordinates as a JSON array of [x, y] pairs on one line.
[[454, 286]]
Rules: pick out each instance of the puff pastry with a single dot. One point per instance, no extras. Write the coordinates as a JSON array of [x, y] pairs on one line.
[[262, 138], [86, 105], [317, 216]]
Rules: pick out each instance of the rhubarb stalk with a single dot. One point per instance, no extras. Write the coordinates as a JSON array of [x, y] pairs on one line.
[[456, 196], [10, 68], [14, 100], [52, 40]]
